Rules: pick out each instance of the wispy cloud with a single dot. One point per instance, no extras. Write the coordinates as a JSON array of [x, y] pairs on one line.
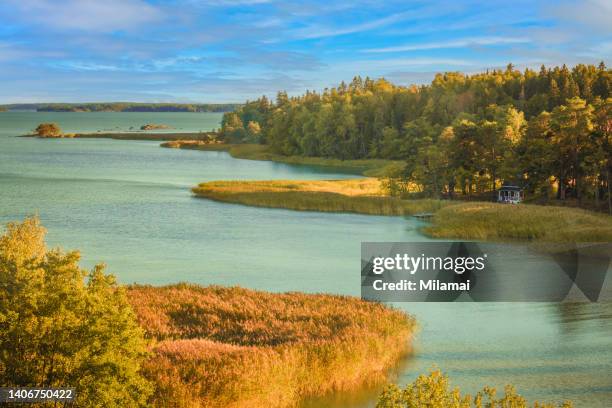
[[85, 66], [594, 14], [87, 15], [207, 50], [314, 31], [380, 66], [461, 43]]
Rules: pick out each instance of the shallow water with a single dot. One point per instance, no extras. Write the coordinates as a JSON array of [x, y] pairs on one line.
[[128, 204]]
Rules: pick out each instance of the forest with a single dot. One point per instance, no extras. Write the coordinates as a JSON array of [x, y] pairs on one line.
[[463, 135]]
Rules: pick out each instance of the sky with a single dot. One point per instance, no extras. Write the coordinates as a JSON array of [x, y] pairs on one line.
[[233, 50]]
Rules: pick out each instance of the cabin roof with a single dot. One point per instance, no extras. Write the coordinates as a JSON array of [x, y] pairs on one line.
[[511, 188]]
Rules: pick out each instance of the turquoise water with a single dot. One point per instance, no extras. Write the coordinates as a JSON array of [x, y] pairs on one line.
[[127, 203]]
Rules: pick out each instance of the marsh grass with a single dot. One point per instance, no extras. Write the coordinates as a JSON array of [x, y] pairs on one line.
[[363, 196], [495, 222], [234, 347], [484, 221]]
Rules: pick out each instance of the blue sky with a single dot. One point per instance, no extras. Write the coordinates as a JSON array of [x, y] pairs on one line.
[[232, 50]]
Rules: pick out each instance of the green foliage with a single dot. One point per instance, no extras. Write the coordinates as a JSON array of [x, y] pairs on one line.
[[48, 130], [433, 391], [62, 326], [464, 134]]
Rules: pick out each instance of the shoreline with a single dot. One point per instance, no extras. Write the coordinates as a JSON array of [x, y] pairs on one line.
[[470, 220], [189, 141], [450, 219], [358, 196], [153, 136], [361, 167]]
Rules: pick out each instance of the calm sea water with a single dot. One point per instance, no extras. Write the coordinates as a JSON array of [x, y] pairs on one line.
[[128, 204]]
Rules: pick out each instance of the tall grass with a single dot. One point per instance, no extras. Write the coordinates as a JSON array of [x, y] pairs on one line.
[[364, 196], [492, 221], [234, 347]]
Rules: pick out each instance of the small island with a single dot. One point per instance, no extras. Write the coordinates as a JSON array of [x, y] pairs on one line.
[[50, 130], [154, 126], [54, 131]]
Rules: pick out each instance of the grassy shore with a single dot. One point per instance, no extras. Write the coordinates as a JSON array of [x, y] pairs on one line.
[[367, 167], [234, 347], [196, 144], [497, 222], [364, 196], [452, 219]]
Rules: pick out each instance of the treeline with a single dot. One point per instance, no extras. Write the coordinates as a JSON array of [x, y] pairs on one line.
[[124, 107], [548, 131]]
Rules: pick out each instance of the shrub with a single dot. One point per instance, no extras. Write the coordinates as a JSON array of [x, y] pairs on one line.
[[62, 326], [433, 391], [48, 130]]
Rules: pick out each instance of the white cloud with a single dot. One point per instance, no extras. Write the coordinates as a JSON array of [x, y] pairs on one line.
[[87, 15], [16, 52], [594, 14], [461, 43]]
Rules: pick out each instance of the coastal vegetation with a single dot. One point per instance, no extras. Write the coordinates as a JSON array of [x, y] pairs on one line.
[[497, 222], [462, 135], [61, 325], [52, 130], [201, 144], [181, 345], [434, 391], [154, 126], [475, 220], [234, 347], [367, 167], [48, 130], [364, 196], [206, 141], [250, 151]]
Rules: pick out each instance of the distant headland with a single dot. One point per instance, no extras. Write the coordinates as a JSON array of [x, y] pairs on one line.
[[122, 107]]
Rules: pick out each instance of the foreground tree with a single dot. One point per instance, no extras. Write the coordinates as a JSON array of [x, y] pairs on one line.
[[48, 130], [62, 326]]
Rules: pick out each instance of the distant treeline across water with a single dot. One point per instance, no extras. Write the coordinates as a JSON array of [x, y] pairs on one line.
[[123, 107]]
